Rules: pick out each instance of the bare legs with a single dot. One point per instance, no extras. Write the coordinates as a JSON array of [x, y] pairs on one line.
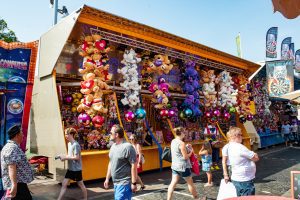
[[209, 177], [64, 188], [139, 181], [191, 186]]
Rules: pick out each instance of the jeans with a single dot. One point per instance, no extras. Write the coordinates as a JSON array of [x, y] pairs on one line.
[[245, 188]]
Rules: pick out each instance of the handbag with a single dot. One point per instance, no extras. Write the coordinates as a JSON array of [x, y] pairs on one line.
[[166, 154], [226, 190], [143, 159], [195, 164]]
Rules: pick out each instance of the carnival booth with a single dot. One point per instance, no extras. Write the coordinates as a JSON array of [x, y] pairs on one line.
[[271, 112], [97, 69]]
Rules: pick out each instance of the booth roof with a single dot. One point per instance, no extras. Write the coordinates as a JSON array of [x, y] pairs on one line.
[[52, 45]]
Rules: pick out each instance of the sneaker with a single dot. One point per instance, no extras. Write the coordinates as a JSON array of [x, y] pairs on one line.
[[212, 168], [208, 184], [217, 167]]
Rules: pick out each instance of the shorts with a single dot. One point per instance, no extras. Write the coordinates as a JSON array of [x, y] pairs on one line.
[[286, 137], [123, 192], [185, 174], [74, 175], [206, 166], [245, 188]]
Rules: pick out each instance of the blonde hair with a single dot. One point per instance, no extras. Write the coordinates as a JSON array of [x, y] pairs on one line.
[[71, 131], [133, 136], [178, 131], [233, 132], [207, 147]]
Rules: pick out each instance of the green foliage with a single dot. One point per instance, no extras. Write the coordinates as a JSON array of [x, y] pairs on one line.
[[6, 34]]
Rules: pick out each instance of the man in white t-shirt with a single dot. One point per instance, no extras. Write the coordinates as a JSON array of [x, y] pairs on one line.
[[242, 162], [285, 131]]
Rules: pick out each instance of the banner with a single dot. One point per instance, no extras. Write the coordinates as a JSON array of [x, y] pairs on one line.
[[238, 45], [285, 48], [280, 77], [291, 52], [271, 42], [17, 65], [297, 61]]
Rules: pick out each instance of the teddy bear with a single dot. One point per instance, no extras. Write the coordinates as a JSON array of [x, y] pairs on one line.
[[160, 99], [226, 90], [208, 88], [87, 46], [88, 66]]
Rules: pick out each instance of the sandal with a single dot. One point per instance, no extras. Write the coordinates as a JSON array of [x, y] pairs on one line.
[[142, 188]]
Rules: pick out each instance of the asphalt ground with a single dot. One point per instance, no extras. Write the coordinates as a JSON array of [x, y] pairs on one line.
[[272, 178]]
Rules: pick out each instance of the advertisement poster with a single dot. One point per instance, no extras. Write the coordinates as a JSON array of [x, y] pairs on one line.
[[271, 42], [297, 64], [285, 48], [280, 77], [17, 65]]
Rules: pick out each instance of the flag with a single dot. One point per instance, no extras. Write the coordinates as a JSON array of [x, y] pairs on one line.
[[271, 42], [239, 45], [291, 52], [285, 48], [297, 61]]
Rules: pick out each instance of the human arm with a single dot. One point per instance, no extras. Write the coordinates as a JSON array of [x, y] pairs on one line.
[[225, 171], [184, 153], [75, 155], [255, 157], [133, 176], [12, 172], [108, 175], [139, 151]]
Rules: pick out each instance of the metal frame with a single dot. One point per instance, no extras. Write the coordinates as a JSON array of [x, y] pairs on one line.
[[121, 39]]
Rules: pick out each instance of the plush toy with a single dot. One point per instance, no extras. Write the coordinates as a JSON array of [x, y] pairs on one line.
[[226, 90], [191, 87], [160, 99], [208, 88], [95, 74], [130, 76]]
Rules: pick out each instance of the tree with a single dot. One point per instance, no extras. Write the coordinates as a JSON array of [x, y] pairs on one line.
[[6, 34]]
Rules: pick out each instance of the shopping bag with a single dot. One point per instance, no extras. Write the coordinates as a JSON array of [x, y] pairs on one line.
[[226, 190], [195, 164], [166, 155]]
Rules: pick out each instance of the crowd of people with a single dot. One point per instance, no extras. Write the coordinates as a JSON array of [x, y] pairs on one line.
[[125, 164]]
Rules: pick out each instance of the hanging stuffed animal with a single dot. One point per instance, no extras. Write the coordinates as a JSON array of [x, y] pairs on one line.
[[226, 90], [130, 76]]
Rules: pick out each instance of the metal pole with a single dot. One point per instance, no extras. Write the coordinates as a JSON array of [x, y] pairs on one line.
[[55, 8]]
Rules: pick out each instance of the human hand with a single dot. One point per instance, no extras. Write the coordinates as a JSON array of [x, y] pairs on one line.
[[106, 183], [226, 178], [13, 191], [133, 188], [138, 165]]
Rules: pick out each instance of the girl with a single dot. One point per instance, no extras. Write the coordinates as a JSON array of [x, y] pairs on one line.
[[138, 149], [181, 166], [206, 158]]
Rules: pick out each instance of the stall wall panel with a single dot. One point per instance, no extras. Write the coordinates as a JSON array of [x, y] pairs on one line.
[[46, 124], [52, 43]]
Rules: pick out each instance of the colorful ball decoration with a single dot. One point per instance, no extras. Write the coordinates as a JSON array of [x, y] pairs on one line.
[[226, 115], [232, 110], [242, 119], [188, 112], [171, 113], [249, 117], [74, 109], [217, 113], [129, 116], [164, 113], [182, 115], [140, 113], [208, 114], [84, 119], [68, 99], [98, 121]]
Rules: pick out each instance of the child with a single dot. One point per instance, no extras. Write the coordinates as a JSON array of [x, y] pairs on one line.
[[206, 158], [74, 164]]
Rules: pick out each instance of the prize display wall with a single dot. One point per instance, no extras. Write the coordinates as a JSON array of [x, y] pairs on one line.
[[105, 76]]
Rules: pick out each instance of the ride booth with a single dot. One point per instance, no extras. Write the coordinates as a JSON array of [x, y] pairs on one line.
[[97, 69]]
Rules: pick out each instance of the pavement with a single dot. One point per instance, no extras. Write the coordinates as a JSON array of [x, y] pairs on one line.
[[272, 179]]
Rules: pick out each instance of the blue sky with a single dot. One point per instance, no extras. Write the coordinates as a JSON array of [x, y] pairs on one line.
[[214, 23]]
